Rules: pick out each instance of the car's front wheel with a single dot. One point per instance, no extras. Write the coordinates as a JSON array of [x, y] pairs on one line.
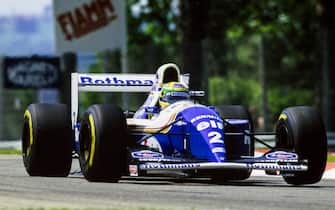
[[301, 130], [102, 143]]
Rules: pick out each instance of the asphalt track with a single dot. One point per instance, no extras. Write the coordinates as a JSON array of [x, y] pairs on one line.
[[18, 190]]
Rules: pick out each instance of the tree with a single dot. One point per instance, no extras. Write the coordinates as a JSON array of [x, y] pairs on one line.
[[193, 20], [152, 33], [326, 11], [217, 37]]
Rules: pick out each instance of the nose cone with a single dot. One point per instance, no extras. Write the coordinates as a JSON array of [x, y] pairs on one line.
[[206, 133]]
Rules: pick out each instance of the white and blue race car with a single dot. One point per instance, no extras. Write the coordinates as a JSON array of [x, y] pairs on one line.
[[185, 139]]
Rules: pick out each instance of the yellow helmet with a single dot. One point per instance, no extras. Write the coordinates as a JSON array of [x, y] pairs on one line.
[[173, 92]]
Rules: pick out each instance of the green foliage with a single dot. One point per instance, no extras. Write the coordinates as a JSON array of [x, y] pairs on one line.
[[14, 104], [151, 21], [152, 34], [233, 30], [234, 89], [88, 98], [279, 98], [291, 51], [290, 35]]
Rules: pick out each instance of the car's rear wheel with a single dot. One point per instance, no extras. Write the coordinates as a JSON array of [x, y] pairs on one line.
[[301, 130], [47, 140], [234, 112], [102, 143]]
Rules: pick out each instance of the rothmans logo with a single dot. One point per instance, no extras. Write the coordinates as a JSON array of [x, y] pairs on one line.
[[114, 81]]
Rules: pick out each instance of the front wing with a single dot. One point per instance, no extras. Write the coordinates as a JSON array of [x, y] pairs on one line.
[[225, 165], [275, 162]]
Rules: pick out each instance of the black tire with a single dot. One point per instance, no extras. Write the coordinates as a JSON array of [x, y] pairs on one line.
[[102, 143], [301, 130], [234, 112], [47, 140]]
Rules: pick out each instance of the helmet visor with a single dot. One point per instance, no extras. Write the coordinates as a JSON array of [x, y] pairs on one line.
[[172, 97]]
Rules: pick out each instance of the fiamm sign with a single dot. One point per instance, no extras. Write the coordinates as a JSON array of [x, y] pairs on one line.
[[89, 25]]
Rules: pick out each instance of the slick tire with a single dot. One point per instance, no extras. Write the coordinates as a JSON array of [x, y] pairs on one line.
[[234, 112], [301, 130], [47, 140], [102, 143]]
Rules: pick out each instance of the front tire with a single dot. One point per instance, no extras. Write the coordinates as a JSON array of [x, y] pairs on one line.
[[102, 143], [47, 140], [301, 130]]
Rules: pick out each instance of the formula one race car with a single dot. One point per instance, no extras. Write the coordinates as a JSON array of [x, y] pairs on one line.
[[171, 134]]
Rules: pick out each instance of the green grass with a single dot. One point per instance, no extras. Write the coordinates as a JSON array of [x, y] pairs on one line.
[[10, 152], [331, 158], [140, 208]]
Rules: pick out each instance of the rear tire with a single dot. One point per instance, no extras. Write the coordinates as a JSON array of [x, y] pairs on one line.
[[234, 112], [301, 130], [47, 140], [102, 143]]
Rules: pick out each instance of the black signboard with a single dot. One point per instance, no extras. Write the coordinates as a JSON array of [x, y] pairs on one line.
[[31, 72]]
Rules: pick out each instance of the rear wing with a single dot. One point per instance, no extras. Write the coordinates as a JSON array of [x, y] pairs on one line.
[[102, 82], [113, 82]]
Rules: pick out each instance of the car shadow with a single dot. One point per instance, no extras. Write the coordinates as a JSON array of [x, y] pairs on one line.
[[252, 182]]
